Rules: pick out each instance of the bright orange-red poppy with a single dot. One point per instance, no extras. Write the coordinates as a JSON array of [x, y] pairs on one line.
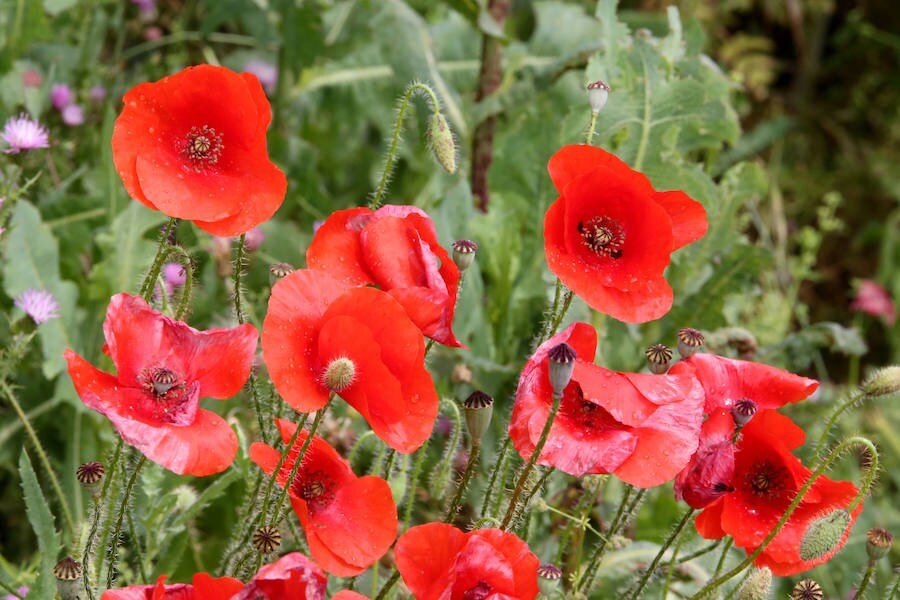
[[164, 368], [202, 587], [439, 562], [193, 146], [349, 521], [292, 577], [609, 235], [315, 322], [395, 248], [642, 427], [767, 477]]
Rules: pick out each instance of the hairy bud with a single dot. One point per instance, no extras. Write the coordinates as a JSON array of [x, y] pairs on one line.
[[824, 534], [757, 585], [441, 142]]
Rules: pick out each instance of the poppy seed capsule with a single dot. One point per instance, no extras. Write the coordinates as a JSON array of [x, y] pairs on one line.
[[279, 271], [659, 356], [464, 253], [824, 534], [878, 543], [562, 363], [68, 578], [807, 589], [267, 539], [598, 94], [690, 341], [440, 140], [479, 409], [757, 585], [548, 579], [90, 475], [339, 374], [742, 411]]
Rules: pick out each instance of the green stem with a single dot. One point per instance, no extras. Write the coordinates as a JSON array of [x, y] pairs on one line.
[[463, 484], [236, 275], [161, 253], [526, 471], [867, 577], [123, 508], [411, 89], [626, 507], [414, 481], [895, 587], [825, 464], [388, 585], [649, 571], [531, 493], [854, 398], [498, 465], [12, 592], [276, 515], [42, 456], [274, 478], [589, 138], [721, 563], [99, 502]]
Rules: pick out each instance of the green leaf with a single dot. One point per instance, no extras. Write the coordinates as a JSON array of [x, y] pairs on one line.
[[36, 265], [127, 253], [42, 522], [54, 7]]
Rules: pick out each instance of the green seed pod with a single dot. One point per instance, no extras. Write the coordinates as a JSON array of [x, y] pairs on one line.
[[478, 410], [441, 142], [757, 585], [878, 543]]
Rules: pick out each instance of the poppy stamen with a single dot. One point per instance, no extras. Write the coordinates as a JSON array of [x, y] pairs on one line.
[[479, 591], [765, 479], [312, 490], [159, 381], [603, 236], [203, 147]]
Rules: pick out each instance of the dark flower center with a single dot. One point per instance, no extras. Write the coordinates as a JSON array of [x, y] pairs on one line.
[[479, 591], [766, 480], [168, 396], [311, 490], [604, 236], [159, 381], [203, 147], [317, 488], [585, 413]]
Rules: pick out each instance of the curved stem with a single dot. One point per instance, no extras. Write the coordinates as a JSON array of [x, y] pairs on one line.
[[854, 398], [463, 484], [411, 89], [150, 278], [825, 464], [42, 456], [123, 508], [648, 572]]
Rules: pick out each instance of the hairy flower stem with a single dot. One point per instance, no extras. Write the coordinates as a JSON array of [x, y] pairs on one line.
[[627, 508], [526, 470], [867, 578], [42, 456], [99, 503], [498, 466], [721, 563], [855, 397], [187, 289], [416, 87], [117, 530], [531, 493], [577, 526], [463, 484], [823, 466], [562, 299], [413, 482], [161, 253], [635, 591], [895, 586]]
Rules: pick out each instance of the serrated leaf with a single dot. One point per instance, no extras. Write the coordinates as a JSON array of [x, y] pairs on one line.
[[42, 523], [36, 265], [126, 252]]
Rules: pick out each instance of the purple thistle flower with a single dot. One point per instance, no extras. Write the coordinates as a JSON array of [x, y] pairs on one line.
[[22, 591], [174, 275], [61, 96], [97, 94], [265, 72], [73, 115], [145, 6], [253, 239], [21, 133], [40, 305]]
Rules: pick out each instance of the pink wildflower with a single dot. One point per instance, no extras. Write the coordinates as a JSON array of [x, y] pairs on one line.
[[22, 133], [40, 305], [873, 299]]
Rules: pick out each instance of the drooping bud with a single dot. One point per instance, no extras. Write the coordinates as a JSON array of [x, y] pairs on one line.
[[807, 589], [267, 539], [339, 374], [690, 341], [440, 140], [883, 382], [659, 357], [90, 476], [878, 543], [742, 411], [562, 363], [824, 534], [548, 579], [464, 253], [757, 585], [68, 573], [479, 409], [279, 271], [598, 94]]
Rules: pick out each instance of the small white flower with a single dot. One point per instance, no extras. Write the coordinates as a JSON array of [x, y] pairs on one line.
[[22, 133]]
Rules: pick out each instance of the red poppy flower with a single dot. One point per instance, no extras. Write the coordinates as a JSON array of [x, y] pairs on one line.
[[193, 146], [642, 427], [767, 477], [609, 235], [163, 368], [725, 381], [291, 577], [348, 595], [710, 473], [395, 248], [202, 587], [349, 521], [314, 324], [440, 562]]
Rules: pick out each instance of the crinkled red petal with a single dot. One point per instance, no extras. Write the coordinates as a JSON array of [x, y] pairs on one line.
[[336, 247]]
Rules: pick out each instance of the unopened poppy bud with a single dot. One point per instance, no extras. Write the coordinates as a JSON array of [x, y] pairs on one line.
[[690, 341], [807, 589], [742, 411], [479, 409], [440, 139], [90, 475], [464, 253], [659, 357], [883, 382], [598, 94], [279, 271], [878, 543], [68, 578], [267, 539], [757, 585], [339, 374], [824, 534], [562, 363], [548, 579]]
